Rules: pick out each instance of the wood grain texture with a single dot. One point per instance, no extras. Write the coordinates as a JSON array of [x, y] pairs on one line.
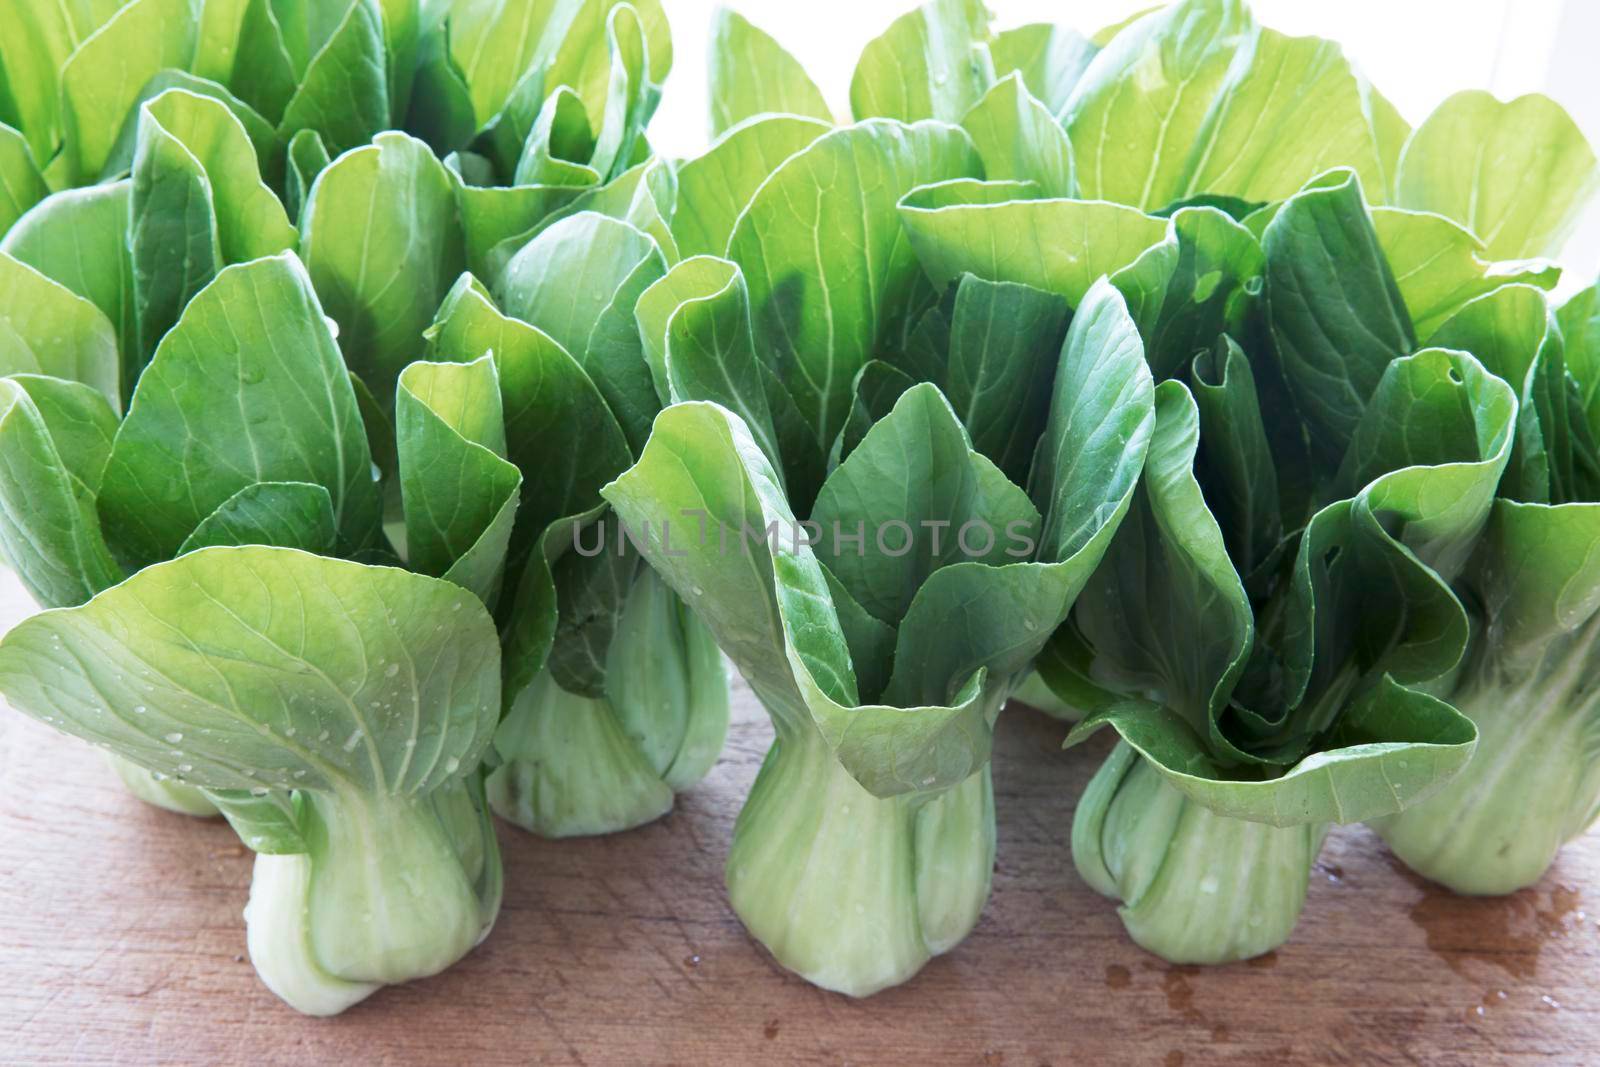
[[121, 942]]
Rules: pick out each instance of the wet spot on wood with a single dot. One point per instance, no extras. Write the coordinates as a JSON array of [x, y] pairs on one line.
[[1507, 933]]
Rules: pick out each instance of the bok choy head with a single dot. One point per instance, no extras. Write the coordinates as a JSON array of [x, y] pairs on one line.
[[472, 260], [203, 516], [1532, 587], [881, 565], [1283, 579]]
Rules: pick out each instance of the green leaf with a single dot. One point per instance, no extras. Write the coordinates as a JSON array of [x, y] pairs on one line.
[[1336, 315], [931, 63], [913, 475], [879, 387], [700, 458], [1514, 334], [1439, 266], [343, 89], [578, 282], [1537, 569], [460, 493], [264, 75], [1370, 592], [38, 40], [440, 110], [1210, 289], [79, 238], [257, 337], [1005, 343], [969, 615], [402, 30], [558, 430], [263, 138], [1297, 110], [1018, 139], [307, 158], [1139, 107], [630, 95], [591, 593], [48, 529], [695, 323], [817, 321], [1238, 465], [1430, 451], [1060, 246], [642, 196], [198, 205], [559, 145], [250, 221], [752, 75], [1517, 174], [1392, 749], [1579, 319], [269, 825], [494, 45], [282, 514], [975, 617], [1050, 58], [1199, 99], [494, 218], [21, 184], [46, 328], [101, 82], [249, 668], [217, 40], [383, 244], [1167, 613], [715, 188], [81, 424]]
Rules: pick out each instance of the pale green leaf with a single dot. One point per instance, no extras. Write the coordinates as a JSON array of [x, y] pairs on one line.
[[1518, 174], [751, 74], [247, 387], [832, 277], [250, 668], [715, 188], [46, 328], [931, 63], [383, 244]]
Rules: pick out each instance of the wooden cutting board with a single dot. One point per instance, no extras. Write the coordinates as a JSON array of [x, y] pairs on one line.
[[121, 941]]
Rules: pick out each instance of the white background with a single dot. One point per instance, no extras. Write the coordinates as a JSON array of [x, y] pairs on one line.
[[1416, 51]]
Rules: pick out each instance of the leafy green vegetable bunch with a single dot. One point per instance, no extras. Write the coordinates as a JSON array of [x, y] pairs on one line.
[[615, 693], [1284, 579], [1290, 506], [226, 614], [881, 557], [1269, 687], [1532, 586], [304, 78], [310, 79], [187, 404], [634, 704]]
